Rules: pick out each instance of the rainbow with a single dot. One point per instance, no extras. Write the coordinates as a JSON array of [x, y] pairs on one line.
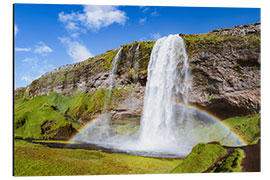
[[202, 112], [216, 120], [72, 138]]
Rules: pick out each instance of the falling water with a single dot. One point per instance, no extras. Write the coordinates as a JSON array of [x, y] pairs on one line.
[[104, 130], [114, 68], [168, 81], [136, 64], [112, 78]]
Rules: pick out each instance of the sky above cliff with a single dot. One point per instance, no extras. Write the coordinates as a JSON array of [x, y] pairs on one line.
[[48, 36]]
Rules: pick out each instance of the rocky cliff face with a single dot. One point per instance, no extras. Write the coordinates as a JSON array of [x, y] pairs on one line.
[[225, 66]]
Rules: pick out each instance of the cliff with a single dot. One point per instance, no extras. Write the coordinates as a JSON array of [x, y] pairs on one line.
[[225, 67]]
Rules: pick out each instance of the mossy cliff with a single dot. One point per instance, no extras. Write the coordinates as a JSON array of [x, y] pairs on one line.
[[92, 74], [225, 67]]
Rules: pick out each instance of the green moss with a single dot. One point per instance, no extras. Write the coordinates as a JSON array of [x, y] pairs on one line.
[[210, 96], [107, 58], [232, 163], [59, 78], [83, 104], [201, 157]]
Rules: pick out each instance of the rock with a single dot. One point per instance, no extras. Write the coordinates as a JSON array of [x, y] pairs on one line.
[[225, 66]]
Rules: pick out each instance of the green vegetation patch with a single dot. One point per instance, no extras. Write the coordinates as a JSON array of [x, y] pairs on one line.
[[31, 115], [45, 116], [232, 163], [213, 43], [247, 127], [43, 161], [22, 143], [83, 105], [200, 159]]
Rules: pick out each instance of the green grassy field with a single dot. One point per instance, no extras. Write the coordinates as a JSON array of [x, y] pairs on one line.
[[37, 160]]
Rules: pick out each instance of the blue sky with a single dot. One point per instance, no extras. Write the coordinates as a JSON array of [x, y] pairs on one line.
[[48, 36]]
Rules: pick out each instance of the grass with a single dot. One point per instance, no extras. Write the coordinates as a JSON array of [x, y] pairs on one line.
[[232, 163], [247, 127], [31, 115], [43, 115], [201, 157], [36, 160]]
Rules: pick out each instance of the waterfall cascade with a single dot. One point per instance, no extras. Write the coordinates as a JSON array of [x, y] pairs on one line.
[[96, 135], [136, 64], [168, 82], [167, 128], [114, 68], [112, 77]]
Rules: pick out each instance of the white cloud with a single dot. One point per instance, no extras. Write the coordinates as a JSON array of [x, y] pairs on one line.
[[16, 29], [144, 9], [93, 17], [27, 79], [75, 35], [42, 48], [155, 35], [28, 60], [142, 20], [66, 17], [72, 26], [154, 13], [23, 49], [75, 50]]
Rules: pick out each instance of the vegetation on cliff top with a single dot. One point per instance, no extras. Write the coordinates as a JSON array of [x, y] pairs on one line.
[[214, 43]]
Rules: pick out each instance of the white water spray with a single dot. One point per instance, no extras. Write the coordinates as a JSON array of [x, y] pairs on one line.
[[168, 80]]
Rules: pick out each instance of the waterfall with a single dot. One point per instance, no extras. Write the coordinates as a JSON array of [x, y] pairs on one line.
[[168, 81], [112, 78], [104, 132], [114, 68], [168, 126], [136, 64]]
